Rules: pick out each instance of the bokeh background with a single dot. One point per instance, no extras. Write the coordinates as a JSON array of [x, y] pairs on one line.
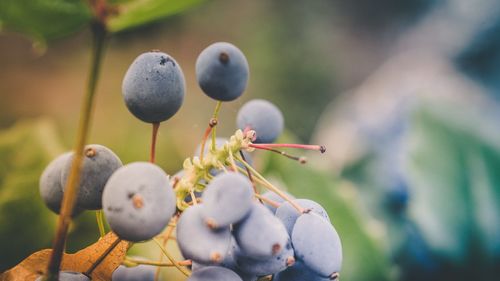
[[404, 94]]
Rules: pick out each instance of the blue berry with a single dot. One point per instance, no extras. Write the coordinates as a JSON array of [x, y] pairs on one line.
[[317, 244], [138, 201], [197, 241], [288, 214], [214, 273], [227, 199], [153, 87], [263, 117], [141, 272], [51, 189], [222, 71], [99, 164], [260, 267], [298, 272], [261, 234]]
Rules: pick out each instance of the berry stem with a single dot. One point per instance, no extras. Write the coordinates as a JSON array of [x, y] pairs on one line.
[[215, 116], [99, 33], [170, 228], [154, 135], [100, 223], [102, 256], [319, 148], [301, 159], [155, 263], [222, 167], [204, 141], [193, 197], [249, 175], [171, 258], [231, 159], [267, 200], [271, 187]]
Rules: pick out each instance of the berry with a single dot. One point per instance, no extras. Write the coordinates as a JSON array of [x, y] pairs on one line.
[[51, 189], [261, 234], [153, 87], [69, 276], [317, 244], [263, 117], [214, 273], [298, 272], [266, 266], [288, 214], [199, 242], [98, 165], [222, 71], [138, 201], [141, 272], [227, 199]]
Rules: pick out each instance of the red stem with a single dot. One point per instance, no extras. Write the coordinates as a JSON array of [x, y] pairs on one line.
[[319, 148], [153, 142], [204, 141]]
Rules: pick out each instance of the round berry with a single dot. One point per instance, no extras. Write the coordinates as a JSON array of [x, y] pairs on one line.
[[153, 87], [222, 71], [288, 214], [317, 244], [51, 188], [99, 164], [138, 201], [199, 242], [299, 272], [227, 199], [260, 234], [263, 117], [214, 273]]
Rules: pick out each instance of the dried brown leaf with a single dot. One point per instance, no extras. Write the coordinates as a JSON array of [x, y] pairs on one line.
[[36, 264]]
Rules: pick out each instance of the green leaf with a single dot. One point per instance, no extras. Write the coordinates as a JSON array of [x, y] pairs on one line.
[[363, 259], [140, 12], [26, 224], [453, 164], [43, 20]]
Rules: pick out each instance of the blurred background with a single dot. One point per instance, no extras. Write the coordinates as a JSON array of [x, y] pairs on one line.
[[404, 94]]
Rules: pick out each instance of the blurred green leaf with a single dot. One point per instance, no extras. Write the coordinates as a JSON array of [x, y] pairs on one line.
[[453, 165], [363, 258], [26, 224], [44, 20], [140, 12]]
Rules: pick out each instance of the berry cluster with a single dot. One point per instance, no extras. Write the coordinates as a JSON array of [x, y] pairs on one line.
[[224, 227]]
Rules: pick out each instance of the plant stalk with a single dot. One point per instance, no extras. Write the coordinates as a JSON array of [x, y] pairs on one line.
[[98, 47], [154, 134]]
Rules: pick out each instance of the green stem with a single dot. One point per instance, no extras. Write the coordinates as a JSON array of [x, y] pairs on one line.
[[100, 223], [136, 262], [71, 190], [171, 258], [211, 128], [215, 116], [270, 186]]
